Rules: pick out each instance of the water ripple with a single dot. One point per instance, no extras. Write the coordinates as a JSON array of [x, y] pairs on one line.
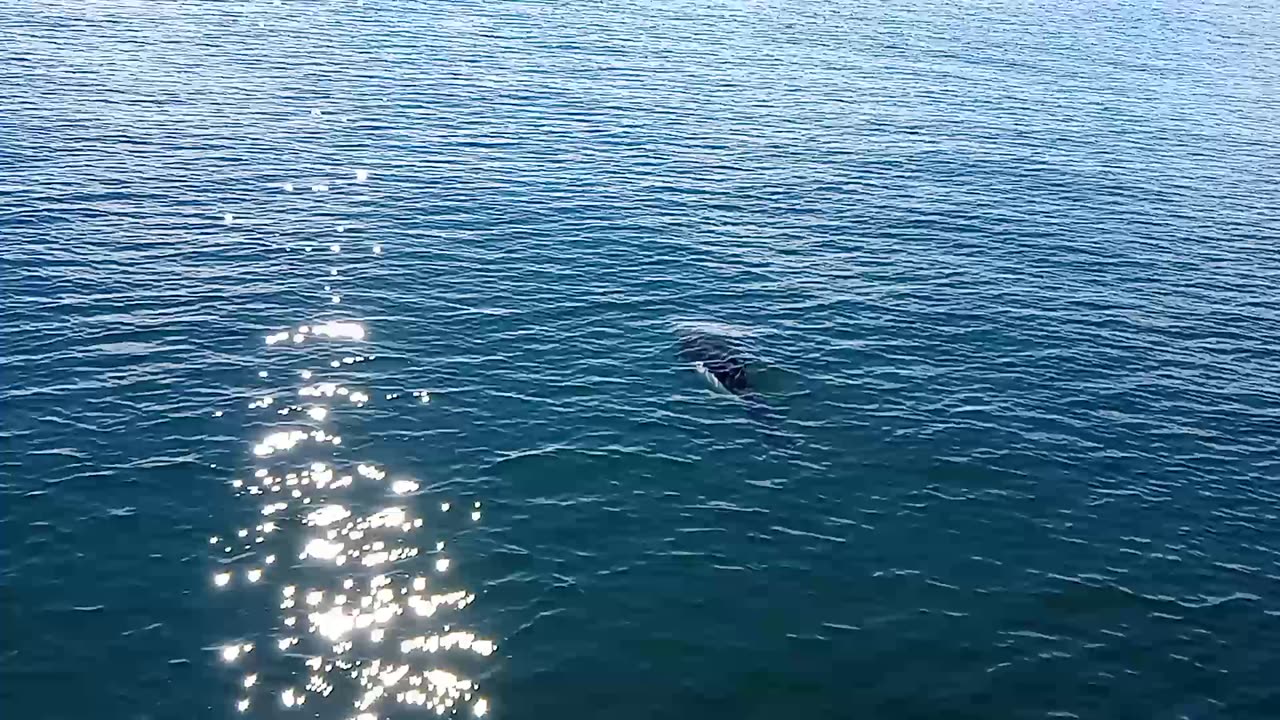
[[1004, 272]]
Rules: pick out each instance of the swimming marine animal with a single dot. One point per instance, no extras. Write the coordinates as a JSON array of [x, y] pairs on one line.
[[717, 360]]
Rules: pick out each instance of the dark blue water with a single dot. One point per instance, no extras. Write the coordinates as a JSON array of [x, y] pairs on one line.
[[1006, 275]]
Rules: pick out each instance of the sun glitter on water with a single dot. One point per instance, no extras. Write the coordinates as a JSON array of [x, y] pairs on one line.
[[369, 615]]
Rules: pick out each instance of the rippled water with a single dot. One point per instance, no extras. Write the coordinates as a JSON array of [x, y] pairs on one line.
[[340, 369]]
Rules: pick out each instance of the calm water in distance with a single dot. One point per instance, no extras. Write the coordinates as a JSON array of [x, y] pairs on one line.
[[339, 372]]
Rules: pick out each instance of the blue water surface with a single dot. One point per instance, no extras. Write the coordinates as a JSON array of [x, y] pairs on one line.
[[339, 371]]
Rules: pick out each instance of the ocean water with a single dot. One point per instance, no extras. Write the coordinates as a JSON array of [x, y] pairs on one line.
[[339, 371]]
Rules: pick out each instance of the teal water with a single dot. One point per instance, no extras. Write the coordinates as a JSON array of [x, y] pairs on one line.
[[395, 290]]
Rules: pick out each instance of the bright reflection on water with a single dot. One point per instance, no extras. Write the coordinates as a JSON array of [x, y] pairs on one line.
[[369, 615]]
